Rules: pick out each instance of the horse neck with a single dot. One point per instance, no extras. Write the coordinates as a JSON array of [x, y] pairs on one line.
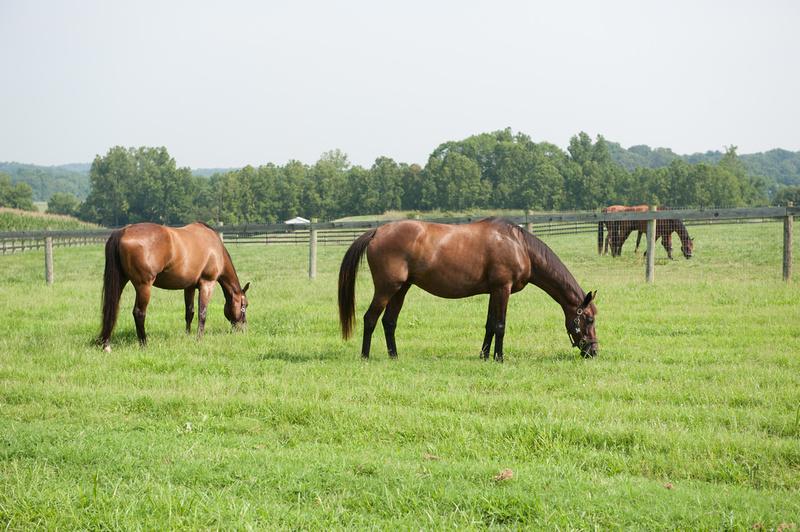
[[552, 276], [228, 279], [680, 228]]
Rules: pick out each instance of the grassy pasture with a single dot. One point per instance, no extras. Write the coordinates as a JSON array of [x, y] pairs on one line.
[[689, 418]]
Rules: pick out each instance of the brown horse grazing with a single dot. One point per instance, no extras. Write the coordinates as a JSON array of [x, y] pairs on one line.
[[664, 230], [491, 256], [185, 258]]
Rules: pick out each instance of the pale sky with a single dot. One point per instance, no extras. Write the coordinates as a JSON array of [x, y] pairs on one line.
[[230, 83]]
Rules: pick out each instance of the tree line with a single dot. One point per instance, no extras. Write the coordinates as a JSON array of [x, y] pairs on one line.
[[497, 170]]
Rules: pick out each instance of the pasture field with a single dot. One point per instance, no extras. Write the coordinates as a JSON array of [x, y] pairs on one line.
[[688, 419]]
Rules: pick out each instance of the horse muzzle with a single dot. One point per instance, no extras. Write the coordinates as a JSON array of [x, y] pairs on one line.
[[589, 350]]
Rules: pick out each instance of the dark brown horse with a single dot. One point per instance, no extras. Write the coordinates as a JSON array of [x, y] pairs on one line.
[[664, 230], [615, 228], [492, 256], [181, 258]]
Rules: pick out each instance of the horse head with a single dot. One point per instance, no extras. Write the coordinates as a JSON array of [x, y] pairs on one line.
[[580, 326], [687, 247], [236, 308]]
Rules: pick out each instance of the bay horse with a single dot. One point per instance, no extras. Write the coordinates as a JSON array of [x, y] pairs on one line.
[[615, 228], [490, 256], [185, 258], [664, 230]]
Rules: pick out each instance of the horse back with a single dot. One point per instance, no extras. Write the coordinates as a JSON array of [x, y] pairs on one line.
[[171, 257], [448, 260]]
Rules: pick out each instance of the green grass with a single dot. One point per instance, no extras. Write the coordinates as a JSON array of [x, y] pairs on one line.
[[19, 220], [688, 419]]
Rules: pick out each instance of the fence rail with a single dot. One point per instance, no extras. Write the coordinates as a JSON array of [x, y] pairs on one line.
[[338, 233]]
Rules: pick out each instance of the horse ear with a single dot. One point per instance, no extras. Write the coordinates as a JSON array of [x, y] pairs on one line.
[[244, 290], [587, 300]]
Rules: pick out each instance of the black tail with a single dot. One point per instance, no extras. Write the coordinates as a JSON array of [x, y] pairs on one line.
[[600, 238], [113, 282], [347, 282]]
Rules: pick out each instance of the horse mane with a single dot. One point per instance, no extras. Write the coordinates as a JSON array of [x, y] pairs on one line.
[[205, 224], [555, 267]]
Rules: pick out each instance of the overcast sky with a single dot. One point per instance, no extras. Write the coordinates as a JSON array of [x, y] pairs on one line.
[[234, 83]]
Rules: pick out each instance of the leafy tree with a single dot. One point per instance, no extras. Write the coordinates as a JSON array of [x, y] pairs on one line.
[[458, 183], [144, 184], [17, 196], [787, 194], [63, 203]]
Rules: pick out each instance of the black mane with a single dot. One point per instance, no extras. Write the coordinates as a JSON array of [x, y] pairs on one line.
[[546, 266]]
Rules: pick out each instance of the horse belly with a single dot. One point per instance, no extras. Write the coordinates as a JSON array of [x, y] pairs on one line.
[[171, 281], [451, 280]]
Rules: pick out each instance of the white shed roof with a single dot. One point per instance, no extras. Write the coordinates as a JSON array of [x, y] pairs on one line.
[[297, 220]]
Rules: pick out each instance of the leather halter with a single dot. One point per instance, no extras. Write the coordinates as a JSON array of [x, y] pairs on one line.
[[583, 342]]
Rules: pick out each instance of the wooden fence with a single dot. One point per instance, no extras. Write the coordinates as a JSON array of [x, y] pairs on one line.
[[342, 233]]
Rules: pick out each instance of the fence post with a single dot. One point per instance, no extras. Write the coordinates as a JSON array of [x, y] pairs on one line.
[[221, 234], [651, 248], [528, 225], [787, 244], [312, 253], [48, 260]]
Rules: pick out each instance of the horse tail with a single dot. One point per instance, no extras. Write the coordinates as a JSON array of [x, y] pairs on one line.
[[113, 282], [599, 238], [347, 282]]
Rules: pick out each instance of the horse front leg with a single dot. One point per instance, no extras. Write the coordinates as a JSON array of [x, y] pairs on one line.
[[389, 319], [666, 241], [188, 299], [206, 289], [487, 339], [501, 305], [140, 311]]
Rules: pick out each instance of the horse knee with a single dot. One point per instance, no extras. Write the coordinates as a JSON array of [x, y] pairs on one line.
[[138, 313], [499, 329]]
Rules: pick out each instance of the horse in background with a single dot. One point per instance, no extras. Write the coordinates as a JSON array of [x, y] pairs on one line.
[[491, 256], [185, 258], [615, 228], [664, 230]]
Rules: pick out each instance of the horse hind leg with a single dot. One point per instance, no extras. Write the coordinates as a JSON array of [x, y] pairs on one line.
[[389, 319], [140, 311], [379, 301]]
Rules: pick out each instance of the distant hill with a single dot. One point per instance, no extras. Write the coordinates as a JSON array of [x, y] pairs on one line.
[[45, 180], [208, 172], [781, 166]]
